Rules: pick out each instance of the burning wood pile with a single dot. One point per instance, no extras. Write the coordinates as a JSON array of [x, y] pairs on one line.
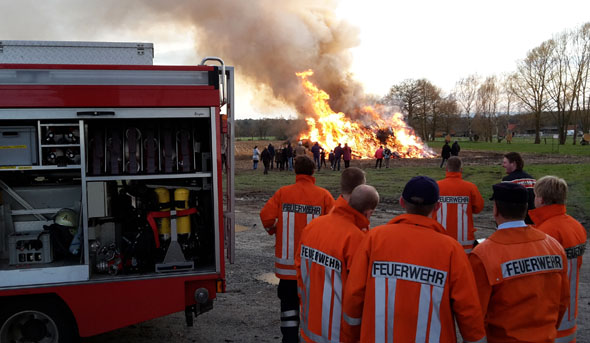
[[376, 127]]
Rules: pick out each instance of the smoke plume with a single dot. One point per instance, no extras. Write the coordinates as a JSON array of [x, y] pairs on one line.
[[268, 41]]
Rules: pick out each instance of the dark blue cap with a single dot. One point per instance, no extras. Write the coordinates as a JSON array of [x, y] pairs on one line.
[[421, 190], [510, 192]]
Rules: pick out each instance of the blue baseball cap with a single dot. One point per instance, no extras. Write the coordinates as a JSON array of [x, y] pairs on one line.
[[421, 190], [510, 192]]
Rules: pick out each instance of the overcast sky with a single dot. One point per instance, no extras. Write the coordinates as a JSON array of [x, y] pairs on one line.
[[442, 41]]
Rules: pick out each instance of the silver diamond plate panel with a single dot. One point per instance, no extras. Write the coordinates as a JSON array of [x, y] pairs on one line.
[[46, 52]]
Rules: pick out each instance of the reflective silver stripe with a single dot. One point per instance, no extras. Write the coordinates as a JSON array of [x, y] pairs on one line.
[[464, 221], [285, 261], [305, 300], [289, 323], [435, 324], [442, 215], [326, 302], [337, 309], [423, 313], [460, 226], [467, 251], [285, 233], [291, 243], [310, 217], [566, 339], [467, 242], [282, 271], [317, 338], [291, 250], [569, 317], [391, 285], [289, 313], [573, 277], [380, 309], [350, 320], [483, 340]]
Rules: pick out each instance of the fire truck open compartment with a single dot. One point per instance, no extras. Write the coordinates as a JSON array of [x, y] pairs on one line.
[[121, 174]]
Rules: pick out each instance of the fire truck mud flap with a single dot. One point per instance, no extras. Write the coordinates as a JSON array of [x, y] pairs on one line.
[[203, 304]]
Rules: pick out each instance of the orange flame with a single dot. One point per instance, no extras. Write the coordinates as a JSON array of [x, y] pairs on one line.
[[383, 129]]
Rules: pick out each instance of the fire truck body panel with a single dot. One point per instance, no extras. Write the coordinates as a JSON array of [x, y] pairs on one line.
[[143, 171], [123, 303]]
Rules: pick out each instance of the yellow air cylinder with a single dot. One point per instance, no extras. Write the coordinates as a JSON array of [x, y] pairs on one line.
[[164, 223], [183, 224]]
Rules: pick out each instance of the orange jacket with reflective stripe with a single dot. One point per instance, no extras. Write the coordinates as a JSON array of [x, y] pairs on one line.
[[459, 199], [327, 246], [291, 208], [522, 283], [553, 220], [409, 282]]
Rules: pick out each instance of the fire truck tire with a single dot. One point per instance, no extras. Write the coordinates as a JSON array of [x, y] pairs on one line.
[[37, 320]]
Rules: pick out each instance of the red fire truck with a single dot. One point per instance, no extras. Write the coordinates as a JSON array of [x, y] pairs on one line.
[[116, 199]]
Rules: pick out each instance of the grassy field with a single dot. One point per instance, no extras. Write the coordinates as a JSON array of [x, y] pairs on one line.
[[521, 144], [390, 182]]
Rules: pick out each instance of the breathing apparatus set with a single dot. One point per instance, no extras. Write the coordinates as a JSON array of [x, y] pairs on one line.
[[160, 231]]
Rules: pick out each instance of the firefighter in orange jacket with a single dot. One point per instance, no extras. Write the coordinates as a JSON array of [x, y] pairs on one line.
[[549, 216], [459, 199], [327, 246], [520, 274], [285, 214], [409, 281]]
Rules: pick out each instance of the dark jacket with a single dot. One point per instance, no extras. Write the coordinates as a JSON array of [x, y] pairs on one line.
[[527, 181], [338, 152], [266, 157], [455, 149], [446, 151], [315, 149]]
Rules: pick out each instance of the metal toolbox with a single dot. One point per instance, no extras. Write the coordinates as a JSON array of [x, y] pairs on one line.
[[30, 248], [18, 146]]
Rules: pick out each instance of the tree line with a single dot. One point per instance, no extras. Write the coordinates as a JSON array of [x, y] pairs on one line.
[[552, 78]]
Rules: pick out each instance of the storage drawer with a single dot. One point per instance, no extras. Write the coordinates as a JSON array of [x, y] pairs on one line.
[[18, 146]]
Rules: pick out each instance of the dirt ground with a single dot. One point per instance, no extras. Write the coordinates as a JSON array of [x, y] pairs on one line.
[[249, 311]]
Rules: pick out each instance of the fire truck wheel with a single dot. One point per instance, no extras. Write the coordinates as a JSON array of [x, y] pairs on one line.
[[37, 321]]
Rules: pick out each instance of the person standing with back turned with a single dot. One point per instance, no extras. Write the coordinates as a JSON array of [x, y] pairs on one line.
[[327, 246], [409, 281], [549, 216], [459, 199], [445, 153], [346, 155], [337, 157], [285, 215], [520, 274]]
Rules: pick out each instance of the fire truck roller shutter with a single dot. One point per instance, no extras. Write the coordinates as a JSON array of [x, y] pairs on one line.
[[37, 318]]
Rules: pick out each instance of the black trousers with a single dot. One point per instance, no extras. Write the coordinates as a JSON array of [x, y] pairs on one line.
[[287, 292]]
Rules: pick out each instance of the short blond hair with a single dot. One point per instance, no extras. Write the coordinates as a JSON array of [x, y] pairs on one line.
[[552, 189]]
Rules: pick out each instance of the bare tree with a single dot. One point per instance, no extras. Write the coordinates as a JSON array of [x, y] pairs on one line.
[[580, 65], [488, 99], [427, 108], [466, 95], [406, 96], [449, 113], [532, 77], [583, 100]]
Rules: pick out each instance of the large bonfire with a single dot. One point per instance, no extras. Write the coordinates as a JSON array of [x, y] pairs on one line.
[[378, 127]]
